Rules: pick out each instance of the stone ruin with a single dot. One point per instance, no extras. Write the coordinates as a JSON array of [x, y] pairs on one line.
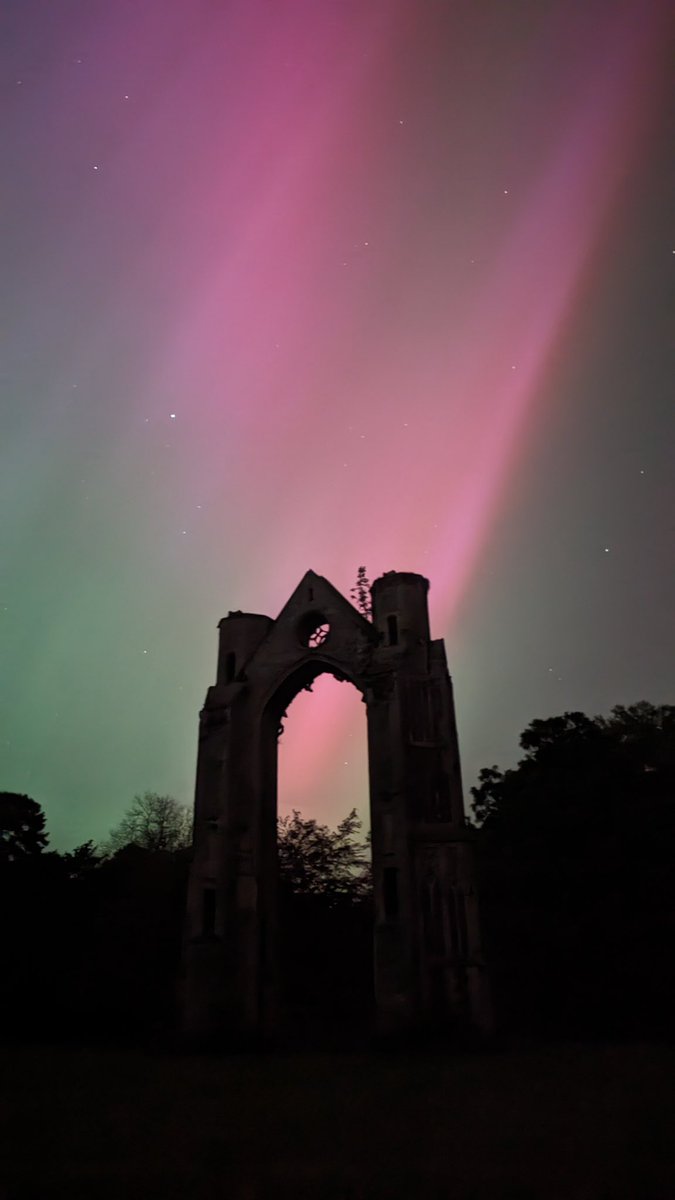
[[429, 970]]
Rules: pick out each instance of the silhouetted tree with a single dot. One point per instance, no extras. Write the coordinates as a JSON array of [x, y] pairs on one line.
[[318, 861], [80, 862], [576, 847], [152, 822], [22, 827], [360, 594], [325, 908], [99, 936]]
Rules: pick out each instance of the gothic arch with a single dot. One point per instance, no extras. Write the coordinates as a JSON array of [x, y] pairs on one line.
[[301, 678], [416, 808]]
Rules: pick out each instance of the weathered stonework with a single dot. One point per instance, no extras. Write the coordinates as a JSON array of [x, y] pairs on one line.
[[428, 964]]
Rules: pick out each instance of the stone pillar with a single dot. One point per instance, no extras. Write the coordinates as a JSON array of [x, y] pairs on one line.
[[393, 915]]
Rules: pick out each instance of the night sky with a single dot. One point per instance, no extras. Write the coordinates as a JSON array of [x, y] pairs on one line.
[[322, 283]]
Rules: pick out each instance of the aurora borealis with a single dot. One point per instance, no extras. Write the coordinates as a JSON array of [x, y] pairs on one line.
[[323, 283]]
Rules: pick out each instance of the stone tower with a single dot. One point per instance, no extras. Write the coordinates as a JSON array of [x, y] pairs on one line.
[[428, 964]]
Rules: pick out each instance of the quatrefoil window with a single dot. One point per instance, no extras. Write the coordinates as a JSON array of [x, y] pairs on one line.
[[314, 630], [318, 636]]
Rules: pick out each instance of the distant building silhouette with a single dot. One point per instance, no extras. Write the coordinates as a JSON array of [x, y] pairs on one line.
[[428, 964]]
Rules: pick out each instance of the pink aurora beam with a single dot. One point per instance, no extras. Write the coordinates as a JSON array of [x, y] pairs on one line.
[[509, 340]]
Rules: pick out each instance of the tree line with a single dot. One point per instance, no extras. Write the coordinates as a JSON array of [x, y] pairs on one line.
[[98, 930], [576, 856], [575, 850]]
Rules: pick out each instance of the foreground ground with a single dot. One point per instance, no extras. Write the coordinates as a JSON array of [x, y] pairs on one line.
[[556, 1123]]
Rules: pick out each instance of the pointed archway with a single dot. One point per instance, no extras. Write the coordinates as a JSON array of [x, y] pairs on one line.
[[325, 944], [423, 974]]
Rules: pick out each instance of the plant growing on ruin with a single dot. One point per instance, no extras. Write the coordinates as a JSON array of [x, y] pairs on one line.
[[360, 594]]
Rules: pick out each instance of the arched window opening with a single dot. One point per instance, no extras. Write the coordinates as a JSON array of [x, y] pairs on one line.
[[459, 934], [441, 810], [432, 916]]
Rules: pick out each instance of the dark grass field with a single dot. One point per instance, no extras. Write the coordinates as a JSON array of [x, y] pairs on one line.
[[582, 1122]]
